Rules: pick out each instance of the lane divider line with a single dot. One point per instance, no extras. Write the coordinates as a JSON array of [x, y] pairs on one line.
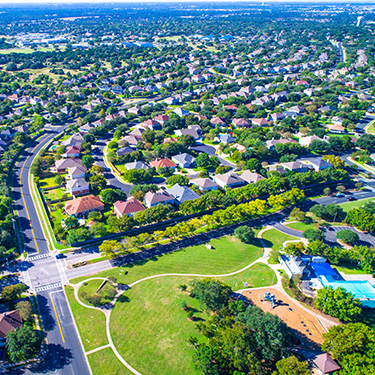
[[57, 318]]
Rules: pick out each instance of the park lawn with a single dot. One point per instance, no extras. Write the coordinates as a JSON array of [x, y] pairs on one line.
[[48, 182], [104, 362], [302, 226], [152, 321], [154, 326], [355, 204], [228, 255], [258, 275], [276, 238], [90, 323], [90, 287]]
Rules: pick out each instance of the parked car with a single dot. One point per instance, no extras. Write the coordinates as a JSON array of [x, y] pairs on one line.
[[339, 195], [60, 256], [351, 198]]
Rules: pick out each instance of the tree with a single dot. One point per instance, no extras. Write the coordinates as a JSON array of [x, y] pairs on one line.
[[98, 229], [111, 249], [87, 161], [313, 234], [25, 309], [347, 236], [13, 292], [95, 215], [329, 212], [97, 169], [59, 179], [366, 142], [71, 222], [361, 219], [291, 366], [297, 214], [271, 334], [244, 234], [327, 191], [110, 196], [294, 248], [338, 303], [178, 179], [211, 294], [97, 183], [78, 235], [23, 343]]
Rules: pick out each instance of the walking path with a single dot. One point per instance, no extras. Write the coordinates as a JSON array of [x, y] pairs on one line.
[[106, 309]]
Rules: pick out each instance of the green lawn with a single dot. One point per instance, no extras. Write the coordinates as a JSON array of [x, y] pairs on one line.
[[302, 226], [90, 323], [275, 239], [350, 269], [57, 215], [258, 275], [90, 288], [53, 194], [47, 182], [228, 255], [105, 362], [153, 322], [355, 204], [120, 167], [154, 326]]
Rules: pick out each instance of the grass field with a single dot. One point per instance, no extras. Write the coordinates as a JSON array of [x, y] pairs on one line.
[[147, 321], [104, 362], [90, 323], [228, 255], [355, 204], [276, 239], [350, 269], [90, 288], [47, 182], [53, 194], [302, 226]]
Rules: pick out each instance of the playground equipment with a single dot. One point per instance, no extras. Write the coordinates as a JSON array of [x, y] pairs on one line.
[[270, 298]]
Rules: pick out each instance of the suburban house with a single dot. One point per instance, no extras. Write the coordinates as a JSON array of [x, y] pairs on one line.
[[229, 179], [240, 122], [260, 121], [9, 321], [161, 119], [271, 143], [184, 160], [335, 128], [78, 171], [306, 141], [191, 132], [77, 186], [163, 163], [129, 207], [325, 364], [72, 152], [63, 164], [251, 177], [224, 138], [82, 206], [160, 197], [73, 140], [206, 184], [318, 164], [295, 166], [125, 150], [182, 193], [137, 165]]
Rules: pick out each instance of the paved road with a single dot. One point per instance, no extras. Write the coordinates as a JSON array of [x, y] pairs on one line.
[[44, 274], [365, 120], [113, 182]]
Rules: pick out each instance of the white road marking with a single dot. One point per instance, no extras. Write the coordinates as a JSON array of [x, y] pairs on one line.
[[48, 287], [40, 256]]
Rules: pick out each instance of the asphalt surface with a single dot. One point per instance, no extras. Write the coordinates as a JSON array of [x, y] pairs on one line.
[[44, 274]]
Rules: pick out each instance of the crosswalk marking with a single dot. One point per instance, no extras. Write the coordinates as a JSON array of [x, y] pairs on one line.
[[40, 256], [48, 287]]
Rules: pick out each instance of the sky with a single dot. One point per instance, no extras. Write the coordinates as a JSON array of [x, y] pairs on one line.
[[178, 1]]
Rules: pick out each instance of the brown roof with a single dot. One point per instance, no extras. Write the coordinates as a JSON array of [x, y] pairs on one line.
[[83, 204], [9, 321], [162, 163], [326, 364], [130, 206]]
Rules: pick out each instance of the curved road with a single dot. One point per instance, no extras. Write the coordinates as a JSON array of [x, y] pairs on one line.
[[45, 275]]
